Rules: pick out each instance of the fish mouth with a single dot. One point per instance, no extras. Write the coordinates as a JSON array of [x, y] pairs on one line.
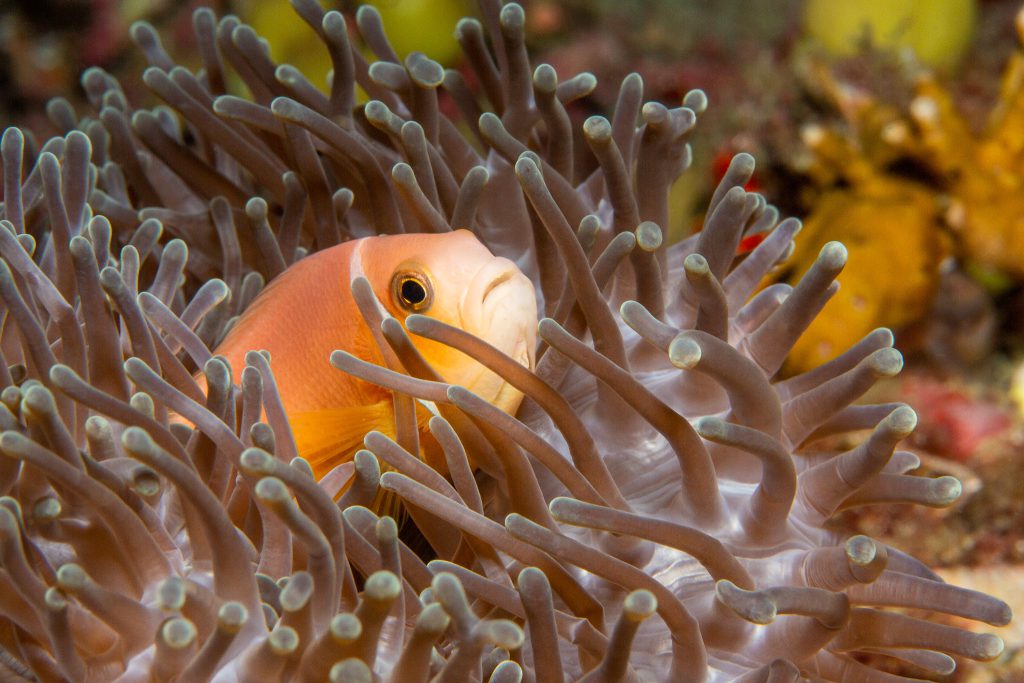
[[486, 290], [497, 282], [499, 306]]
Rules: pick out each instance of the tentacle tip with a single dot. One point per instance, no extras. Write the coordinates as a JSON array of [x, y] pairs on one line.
[[464, 25], [387, 529], [77, 137], [433, 618], [367, 13], [374, 436], [91, 74], [736, 194], [684, 352], [545, 78], [254, 461], [640, 605], [388, 480], [12, 136], [286, 74], [448, 591], [512, 16], [884, 335], [696, 264], [587, 80], [516, 522], [946, 490], [902, 421], [709, 427], [352, 513], [748, 604], [696, 100], [55, 600], [256, 208], [562, 509], [283, 107], [458, 394], [339, 358], [424, 71], [71, 577], [39, 400], [833, 255], [333, 22], [547, 326], [283, 640], [257, 358], [654, 113], [629, 308], [178, 633], [597, 129], [481, 172], [383, 585], [861, 550], [744, 160], [153, 74], [140, 30], [376, 111], [649, 236], [136, 439], [633, 79], [215, 369], [988, 647], [403, 174], [887, 362], [79, 246], [525, 166], [271, 490], [1003, 615]]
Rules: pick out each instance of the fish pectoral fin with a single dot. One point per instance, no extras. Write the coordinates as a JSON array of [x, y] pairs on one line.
[[323, 436]]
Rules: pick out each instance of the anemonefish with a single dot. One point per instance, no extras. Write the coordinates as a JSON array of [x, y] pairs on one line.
[[308, 311]]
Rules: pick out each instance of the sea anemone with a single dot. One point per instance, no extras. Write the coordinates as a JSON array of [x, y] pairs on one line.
[[656, 510]]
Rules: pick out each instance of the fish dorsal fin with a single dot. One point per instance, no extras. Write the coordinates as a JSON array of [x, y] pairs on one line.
[[324, 436]]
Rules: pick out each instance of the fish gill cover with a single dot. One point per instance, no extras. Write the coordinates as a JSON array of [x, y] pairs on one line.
[[657, 510]]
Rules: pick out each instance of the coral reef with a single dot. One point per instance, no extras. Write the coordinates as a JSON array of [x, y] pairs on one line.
[[657, 510]]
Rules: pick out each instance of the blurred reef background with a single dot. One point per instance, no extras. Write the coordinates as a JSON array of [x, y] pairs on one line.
[[896, 127]]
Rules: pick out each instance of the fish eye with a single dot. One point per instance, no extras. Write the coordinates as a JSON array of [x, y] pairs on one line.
[[412, 291]]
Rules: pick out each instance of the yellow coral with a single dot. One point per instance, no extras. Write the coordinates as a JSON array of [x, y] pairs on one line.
[[985, 173], [888, 227], [968, 201]]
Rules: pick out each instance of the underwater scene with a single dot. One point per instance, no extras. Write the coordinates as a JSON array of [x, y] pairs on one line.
[[422, 341]]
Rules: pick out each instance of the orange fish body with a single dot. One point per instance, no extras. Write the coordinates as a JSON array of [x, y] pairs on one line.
[[308, 312]]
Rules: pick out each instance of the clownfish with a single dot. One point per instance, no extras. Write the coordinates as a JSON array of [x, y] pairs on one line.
[[308, 311]]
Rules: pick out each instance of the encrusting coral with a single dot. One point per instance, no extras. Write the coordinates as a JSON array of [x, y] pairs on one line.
[[901, 177], [655, 511]]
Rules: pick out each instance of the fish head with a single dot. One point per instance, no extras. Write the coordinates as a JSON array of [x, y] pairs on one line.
[[452, 277]]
